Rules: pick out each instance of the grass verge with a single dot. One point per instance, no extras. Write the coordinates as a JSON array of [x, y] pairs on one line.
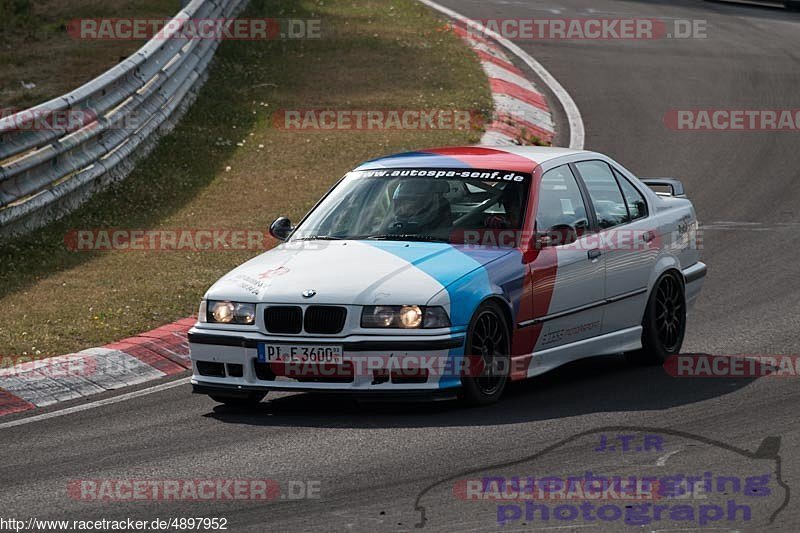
[[39, 60], [226, 166]]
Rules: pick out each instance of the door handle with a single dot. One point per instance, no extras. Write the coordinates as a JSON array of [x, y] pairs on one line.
[[648, 236], [594, 254]]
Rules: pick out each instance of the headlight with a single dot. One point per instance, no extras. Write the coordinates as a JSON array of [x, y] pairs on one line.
[[411, 316], [230, 312], [404, 317]]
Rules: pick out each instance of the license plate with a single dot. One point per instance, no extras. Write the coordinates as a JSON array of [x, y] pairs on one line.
[[299, 353]]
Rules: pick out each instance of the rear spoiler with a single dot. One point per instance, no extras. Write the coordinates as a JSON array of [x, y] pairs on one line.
[[665, 186]]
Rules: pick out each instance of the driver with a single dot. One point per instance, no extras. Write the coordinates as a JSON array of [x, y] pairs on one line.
[[512, 206], [419, 205]]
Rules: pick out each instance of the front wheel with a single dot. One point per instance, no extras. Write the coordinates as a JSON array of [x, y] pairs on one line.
[[664, 324], [247, 400], [488, 356]]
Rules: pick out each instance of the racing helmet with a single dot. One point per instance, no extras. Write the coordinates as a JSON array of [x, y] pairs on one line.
[[419, 203]]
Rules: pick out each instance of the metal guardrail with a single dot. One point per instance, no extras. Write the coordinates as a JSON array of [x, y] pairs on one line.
[[46, 172]]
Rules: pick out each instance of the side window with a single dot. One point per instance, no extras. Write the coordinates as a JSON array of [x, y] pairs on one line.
[[560, 205], [637, 206], [604, 192]]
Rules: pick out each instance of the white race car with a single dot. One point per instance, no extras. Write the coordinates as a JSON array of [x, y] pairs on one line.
[[452, 272]]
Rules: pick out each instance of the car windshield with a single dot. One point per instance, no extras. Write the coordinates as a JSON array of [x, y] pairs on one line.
[[437, 205]]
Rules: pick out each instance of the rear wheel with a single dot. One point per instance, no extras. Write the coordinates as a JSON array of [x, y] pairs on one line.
[[664, 324], [488, 349], [245, 400]]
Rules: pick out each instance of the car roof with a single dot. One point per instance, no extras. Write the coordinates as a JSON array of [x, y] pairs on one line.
[[518, 158]]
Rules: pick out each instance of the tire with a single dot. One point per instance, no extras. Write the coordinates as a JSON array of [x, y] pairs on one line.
[[248, 400], [664, 323], [488, 338]]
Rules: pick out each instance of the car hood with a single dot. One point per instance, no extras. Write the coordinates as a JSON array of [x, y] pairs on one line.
[[352, 272]]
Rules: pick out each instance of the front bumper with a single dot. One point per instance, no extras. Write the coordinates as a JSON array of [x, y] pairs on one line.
[[227, 362], [404, 395]]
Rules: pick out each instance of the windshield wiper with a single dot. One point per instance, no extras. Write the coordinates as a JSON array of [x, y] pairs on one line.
[[405, 237]]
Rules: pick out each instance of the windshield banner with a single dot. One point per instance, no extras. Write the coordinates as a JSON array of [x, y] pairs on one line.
[[453, 173]]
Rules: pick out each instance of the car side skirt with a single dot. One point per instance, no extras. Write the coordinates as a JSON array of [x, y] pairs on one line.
[[616, 342]]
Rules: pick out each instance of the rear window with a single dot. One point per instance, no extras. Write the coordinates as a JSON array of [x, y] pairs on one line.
[[609, 204]]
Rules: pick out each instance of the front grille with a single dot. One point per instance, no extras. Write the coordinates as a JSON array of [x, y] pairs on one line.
[[208, 368], [235, 370], [325, 319], [283, 319], [410, 376], [380, 376], [263, 371]]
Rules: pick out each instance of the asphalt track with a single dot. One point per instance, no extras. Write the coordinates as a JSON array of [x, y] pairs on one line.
[[373, 462]]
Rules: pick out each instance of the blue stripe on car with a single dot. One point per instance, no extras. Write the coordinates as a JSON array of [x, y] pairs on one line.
[[447, 264]]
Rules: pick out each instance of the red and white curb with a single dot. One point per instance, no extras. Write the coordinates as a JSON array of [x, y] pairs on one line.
[[512, 84], [521, 114], [157, 353]]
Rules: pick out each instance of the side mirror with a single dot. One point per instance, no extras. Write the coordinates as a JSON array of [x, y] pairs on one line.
[[281, 228]]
